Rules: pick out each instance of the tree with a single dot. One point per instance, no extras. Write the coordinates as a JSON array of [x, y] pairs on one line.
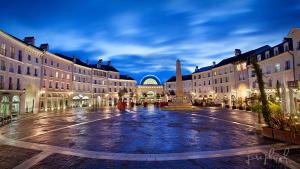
[[263, 97], [157, 96], [131, 95], [172, 93], [121, 93]]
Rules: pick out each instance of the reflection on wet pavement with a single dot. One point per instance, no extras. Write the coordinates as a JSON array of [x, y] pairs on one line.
[[141, 130]]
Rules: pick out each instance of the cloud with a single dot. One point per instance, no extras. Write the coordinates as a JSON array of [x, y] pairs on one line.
[[148, 38], [126, 24]]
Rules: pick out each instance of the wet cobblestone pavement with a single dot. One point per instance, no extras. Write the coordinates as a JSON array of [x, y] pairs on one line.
[[144, 131], [12, 156], [74, 137]]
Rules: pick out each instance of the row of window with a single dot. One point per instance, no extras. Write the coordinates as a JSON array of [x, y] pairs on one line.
[[117, 90], [276, 52], [222, 89], [216, 81], [12, 54], [269, 84], [120, 84], [11, 85], [11, 69], [276, 68], [56, 85], [56, 64], [62, 74]]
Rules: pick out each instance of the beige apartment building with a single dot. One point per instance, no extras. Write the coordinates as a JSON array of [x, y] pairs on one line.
[[170, 86], [224, 83], [202, 84], [232, 81], [32, 79]]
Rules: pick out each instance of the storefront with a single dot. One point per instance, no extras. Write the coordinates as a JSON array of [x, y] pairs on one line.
[[4, 107]]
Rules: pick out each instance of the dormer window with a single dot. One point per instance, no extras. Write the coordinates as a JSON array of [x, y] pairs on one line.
[[275, 51], [286, 47], [267, 54], [258, 58]]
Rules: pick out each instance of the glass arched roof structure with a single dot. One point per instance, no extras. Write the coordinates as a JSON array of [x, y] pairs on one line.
[[150, 80]]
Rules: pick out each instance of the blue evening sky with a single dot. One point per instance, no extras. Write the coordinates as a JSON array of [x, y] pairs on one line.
[[143, 37]]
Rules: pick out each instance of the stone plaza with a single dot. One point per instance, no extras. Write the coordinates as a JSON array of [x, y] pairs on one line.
[[140, 138], [174, 84]]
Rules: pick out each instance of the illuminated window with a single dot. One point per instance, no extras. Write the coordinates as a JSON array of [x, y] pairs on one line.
[[238, 67], [244, 66], [267, 54], [277, 67], [56, 74], [258, 58], [286, 47]]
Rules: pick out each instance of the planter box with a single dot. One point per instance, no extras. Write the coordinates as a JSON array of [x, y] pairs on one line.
[[296, 139], [281, 135], [268, 132], [286, 136]]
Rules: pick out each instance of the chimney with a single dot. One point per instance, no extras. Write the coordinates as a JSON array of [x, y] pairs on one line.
[[109, 63], [237, 52], [99, 63], [214, 63], [74, 59], [44, 47], [196, 68], [29, 40]]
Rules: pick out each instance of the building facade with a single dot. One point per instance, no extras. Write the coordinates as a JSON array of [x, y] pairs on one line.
[[32, 79], [150, 90], [232, 81]]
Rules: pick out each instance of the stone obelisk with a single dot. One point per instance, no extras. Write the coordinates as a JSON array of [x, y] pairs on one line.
[[179, 84], [180, 103]]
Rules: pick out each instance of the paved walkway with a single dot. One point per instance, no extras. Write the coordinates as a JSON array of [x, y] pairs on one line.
[[47, 150]]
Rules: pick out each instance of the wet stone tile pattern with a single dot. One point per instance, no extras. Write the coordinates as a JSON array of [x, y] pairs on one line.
[[13, 156], [149, 130], [49, 121], [237, 162]]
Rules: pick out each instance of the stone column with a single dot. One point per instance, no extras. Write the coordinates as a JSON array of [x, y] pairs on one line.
[[22, 103], [179, 84]]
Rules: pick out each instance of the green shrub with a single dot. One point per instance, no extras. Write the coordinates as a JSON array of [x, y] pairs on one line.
[[256, 107], [275, 107]]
